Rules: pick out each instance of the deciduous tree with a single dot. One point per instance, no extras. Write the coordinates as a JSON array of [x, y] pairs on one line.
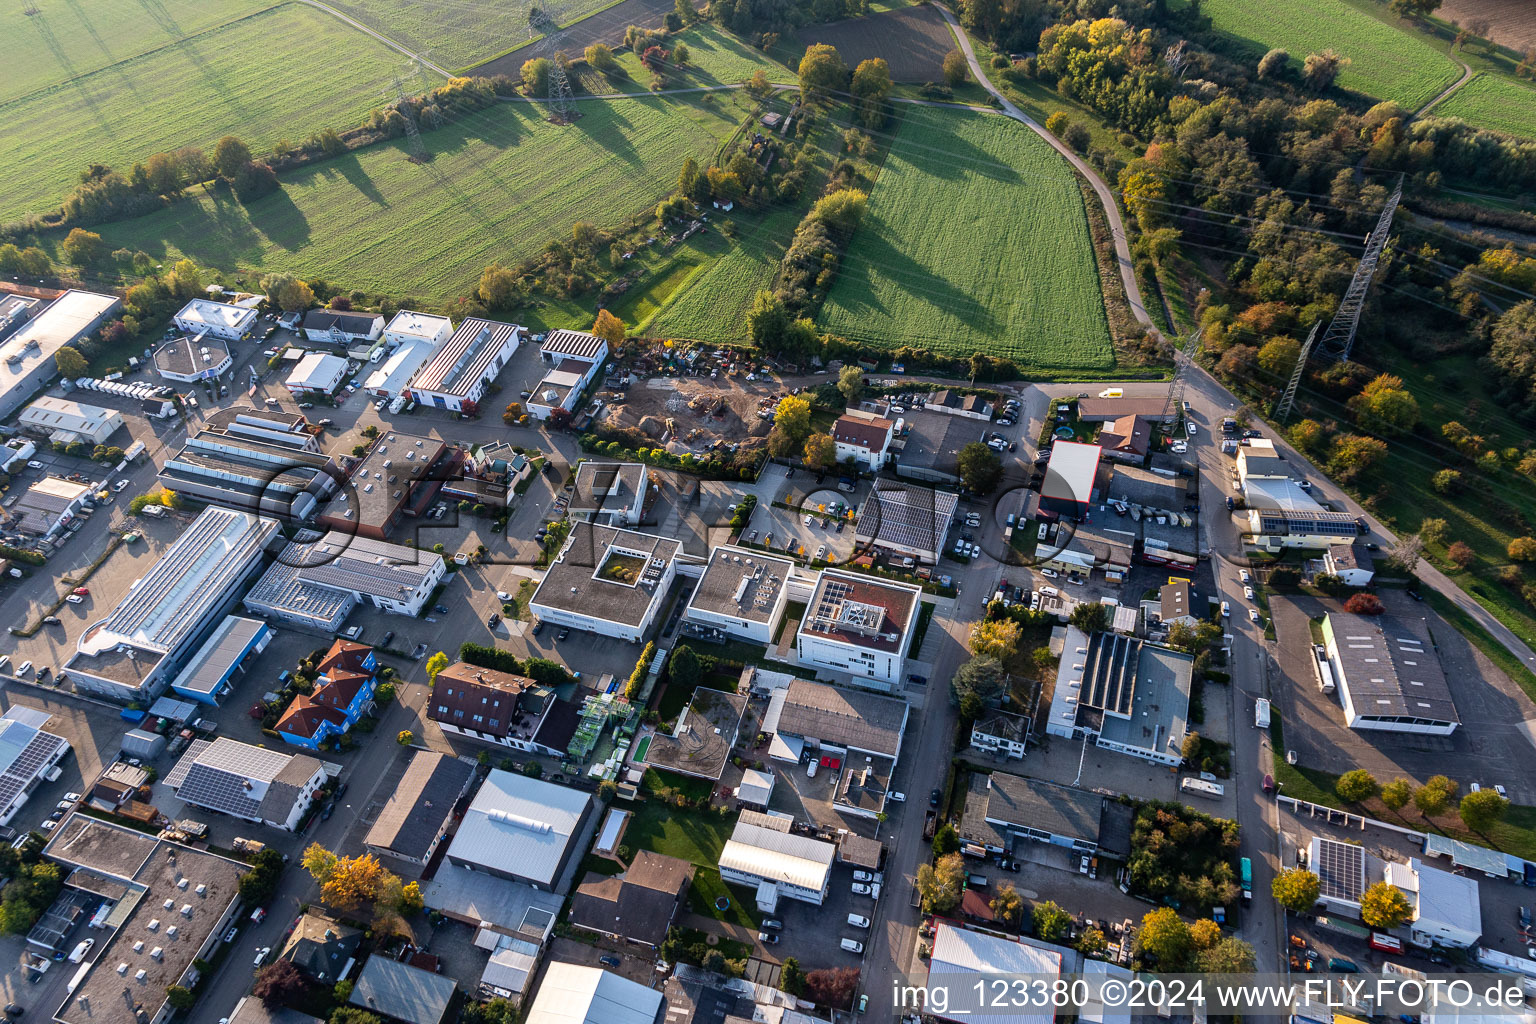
[[1273, 63], [1384, 406], [1165, 935], [1357, 785], [980, 468], [1481, 810], [1296, 889], [871, 88], [820, 451], [610, 328], [941, 884], [850, 380], [1050, 921], [956, 70], [995, 639], [81, 247], [435, 664], [1008, 905], [822, 72], [70, 362], [280, 983], [1396, 794], [1320, 69], [1383, 905], [230, 156]]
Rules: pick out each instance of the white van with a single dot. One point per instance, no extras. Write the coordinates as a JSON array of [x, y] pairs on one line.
[[852, 946], [857, 921], [25, 668], [155, 511], [1112, 393], [79, 951]]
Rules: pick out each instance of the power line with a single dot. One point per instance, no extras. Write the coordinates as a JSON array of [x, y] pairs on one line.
[[1339, 338]]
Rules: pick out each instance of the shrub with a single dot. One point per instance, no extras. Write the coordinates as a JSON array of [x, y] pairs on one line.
[[1364, 604]]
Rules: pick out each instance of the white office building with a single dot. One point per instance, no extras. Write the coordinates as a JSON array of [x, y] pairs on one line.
[[742, 594], [859, 626], [463, 367], [607, 581], [408, 325], [220, 319]]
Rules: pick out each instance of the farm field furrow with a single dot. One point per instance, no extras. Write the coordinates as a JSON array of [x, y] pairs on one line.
[[975, 240], [1493, 102], [499, 187], [1385, 62], [256, 78], [912, 40], [65, 40]]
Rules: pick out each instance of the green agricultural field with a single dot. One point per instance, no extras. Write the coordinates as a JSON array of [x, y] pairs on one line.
[[69, 38], [714, 58], [1493, 102], [975, 240], [256, 77], [501, 184], [458, 34], [712, 306], [1385, 61]]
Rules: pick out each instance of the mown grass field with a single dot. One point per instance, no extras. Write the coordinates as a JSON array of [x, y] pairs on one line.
[[712, 306], [502, 183], [1385, 61], [975, 240], [257, 77], [1493, 102], [69, 38], [457, 35]]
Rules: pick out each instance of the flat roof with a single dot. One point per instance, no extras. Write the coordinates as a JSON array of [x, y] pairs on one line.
[[1390, 667], [933, 440], [420, 325], [463, 360], [395, 373], [906, 516], [575, 994], [65, 414], [706, 731], [200, 886], [608, 486], [1070, 473], [421, 804], [579, 580], [66, 320], [1440, 897], [513, 907], [314, 579], [193, 576], [222, 315], [1023, 803], [1159, 705], [1284, 494], [26, 751], [1138, 486], [401, 991], [961, 958], [219, 656], [520, 825], [844, 717], [741, 584], [318, 371], [864, 611], [186, 356]]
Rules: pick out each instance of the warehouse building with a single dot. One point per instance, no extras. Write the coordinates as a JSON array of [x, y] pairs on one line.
[[65, 422], [523, 830], [461, 368], [27, 754], [1070, 478], [577, 994], [317, 584], [859, 626], [1302, 524], [906, 520], [854, 734], [741, 594], [1002, 809], [416, 818], [26, 357], [763, 855], [274, 426], [252, 475], [134, 653], [248, 782], [1388, 674], [16, 310], [394, 374], [398, 476], [409, 326], [208, 677], [318, 373], [190, 360], [46, 507], [219, 319], [607, 581], [953, 403], [964, 964], [1126, 694], [929, 447]]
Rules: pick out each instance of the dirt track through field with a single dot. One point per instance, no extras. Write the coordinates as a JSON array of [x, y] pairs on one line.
[[606, 26], [913, 41]]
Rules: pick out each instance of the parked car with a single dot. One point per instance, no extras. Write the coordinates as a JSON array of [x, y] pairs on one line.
[[933, 799], [768, 938], [564, 634], [866, 876], [441, 609], [261, 955], [1248, 593], [121, 485], [384, 641], [258, 915], [75, 599], [1253, 615], [861, 889], [772, 925], [1192, 429], [608, 961]]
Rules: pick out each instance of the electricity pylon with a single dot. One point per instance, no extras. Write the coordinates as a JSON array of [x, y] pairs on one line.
[[1339, 338]]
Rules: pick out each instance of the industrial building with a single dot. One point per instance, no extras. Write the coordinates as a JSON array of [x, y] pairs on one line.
[[45, 507], [854, 734], [1389, 674], [219, 319], [499, 707], [766, 857], [27, 754], [741, 594], [575, 356], [409, 326], [318, 373], [607, 581], [169, 908], [609, 493], [65, 422], [342, 327], [252, 783], [1126, 694], [1446, 908], [274, 426], [1350, 563], [208, 676], [134, 653], [462, 367], [953, 403], [859, 626], [523, 830], [575, 994], [394, 374], [1303, 525], [964, 963], [415, 820], [244, 472], [929, 446], [190, 360], [700, 745], [398, 476], [1002, 809], [26, 357], [1070, 478], [316, 584], [16, 310], [906, 521], [864, 438]]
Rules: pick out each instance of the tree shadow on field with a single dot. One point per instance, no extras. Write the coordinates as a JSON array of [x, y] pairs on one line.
[[277, 218], [874, 257], [948, 154], [350, 168], [609, 133]]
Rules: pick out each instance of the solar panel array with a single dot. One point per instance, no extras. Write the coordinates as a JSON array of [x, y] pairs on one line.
[[1340, 868], [42, 749], [218, 790]]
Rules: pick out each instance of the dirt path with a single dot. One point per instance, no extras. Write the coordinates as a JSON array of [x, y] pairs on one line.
[[1466, 76]]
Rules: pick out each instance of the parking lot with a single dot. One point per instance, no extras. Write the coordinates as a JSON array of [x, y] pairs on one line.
[[813, 934]]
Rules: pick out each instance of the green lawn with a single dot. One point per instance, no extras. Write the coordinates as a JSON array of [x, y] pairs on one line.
[[708, 886], [693, 836], [69, 38], [975, 240], [257, 77], [1386, 61], [711, 306], [1493, 102], [500, 186]]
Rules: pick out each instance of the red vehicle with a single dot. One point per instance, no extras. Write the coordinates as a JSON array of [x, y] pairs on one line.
[[82, 592], [1386, 943], [1269, 783]]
